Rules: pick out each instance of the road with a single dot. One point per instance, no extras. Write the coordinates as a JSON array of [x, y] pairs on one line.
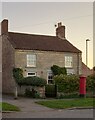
[[29, 109], [88, 113]]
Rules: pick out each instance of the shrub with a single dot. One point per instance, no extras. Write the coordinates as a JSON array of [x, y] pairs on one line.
[[90, 83], [67, 83], [32, 93], [58, 70], [18, 75], [33, 81], [72, 95], [94, 68]]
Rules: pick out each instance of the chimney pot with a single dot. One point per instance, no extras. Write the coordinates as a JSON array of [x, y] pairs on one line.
[[60, 31], [60, 24]]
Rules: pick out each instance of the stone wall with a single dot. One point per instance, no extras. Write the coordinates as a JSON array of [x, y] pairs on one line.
[[8, 83], [45, 59], [40, 90], [0, 65]]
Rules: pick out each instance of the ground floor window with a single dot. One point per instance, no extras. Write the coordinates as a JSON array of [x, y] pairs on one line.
[[31, 74], [49, 77], [70, 71]]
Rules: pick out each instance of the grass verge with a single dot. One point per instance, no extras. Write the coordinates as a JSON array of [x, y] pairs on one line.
[[62, 104], [8, 107]]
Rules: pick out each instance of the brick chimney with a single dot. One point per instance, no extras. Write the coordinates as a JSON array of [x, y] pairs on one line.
[[4, 27], [60, 31]]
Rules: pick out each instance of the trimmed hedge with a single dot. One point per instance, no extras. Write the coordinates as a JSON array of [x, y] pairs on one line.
[[58, 70], [18, 75], [33, 81], [67, 83], [90, 83]]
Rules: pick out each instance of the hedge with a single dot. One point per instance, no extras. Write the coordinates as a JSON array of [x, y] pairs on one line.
[[90, 83], [58, 70], [67, 83], [18, 75], [33, 81]]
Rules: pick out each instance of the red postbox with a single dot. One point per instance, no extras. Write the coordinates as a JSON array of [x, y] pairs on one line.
[[82, 88]]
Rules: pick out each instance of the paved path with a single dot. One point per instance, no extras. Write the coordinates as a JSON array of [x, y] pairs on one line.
[[29, 109]]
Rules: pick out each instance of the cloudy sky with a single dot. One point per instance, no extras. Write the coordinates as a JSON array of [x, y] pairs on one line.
[[40, 18]]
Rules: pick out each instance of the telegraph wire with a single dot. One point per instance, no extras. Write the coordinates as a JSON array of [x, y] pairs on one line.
[[47, 22]]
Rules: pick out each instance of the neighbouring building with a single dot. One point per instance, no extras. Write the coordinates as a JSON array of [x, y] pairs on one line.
[[35, 54], [86, 71]]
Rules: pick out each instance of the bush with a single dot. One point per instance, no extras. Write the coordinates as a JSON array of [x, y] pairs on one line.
[[18, 75], [58, 70], [68, 96], [94, 68], [32, 93], [33, 81], [67, 83], [90, 83]]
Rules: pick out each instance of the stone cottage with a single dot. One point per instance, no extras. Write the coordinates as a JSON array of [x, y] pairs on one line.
[[35, 54]]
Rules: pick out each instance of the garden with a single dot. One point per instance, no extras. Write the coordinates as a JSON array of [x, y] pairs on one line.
[[64, 86]]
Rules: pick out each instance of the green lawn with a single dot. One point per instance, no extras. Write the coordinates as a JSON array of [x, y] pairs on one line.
[[62, 104], [8, 107]]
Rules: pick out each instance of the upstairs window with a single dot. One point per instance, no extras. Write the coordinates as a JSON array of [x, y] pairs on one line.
[[31, 60], [68, 61]]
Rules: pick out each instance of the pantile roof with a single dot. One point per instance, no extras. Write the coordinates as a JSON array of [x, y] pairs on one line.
[[40, 42]]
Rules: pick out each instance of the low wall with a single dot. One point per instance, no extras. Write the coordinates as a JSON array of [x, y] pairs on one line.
[[40, 90]]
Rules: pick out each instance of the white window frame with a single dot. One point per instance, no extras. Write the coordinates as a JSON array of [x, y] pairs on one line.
[[31, 75], [68, 61], [31, 62], [49, 72], [70, 71]]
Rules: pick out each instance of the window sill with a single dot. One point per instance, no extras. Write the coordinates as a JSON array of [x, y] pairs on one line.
[[30, 66], [69, 67]]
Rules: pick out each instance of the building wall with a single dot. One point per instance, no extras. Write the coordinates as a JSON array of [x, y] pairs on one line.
[[0, 66], [8, 83], [45, 59]]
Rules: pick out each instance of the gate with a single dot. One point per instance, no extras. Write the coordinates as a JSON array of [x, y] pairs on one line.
[[50, 91]]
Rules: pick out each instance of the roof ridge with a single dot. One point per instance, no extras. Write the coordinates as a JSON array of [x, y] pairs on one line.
[[32, 34]]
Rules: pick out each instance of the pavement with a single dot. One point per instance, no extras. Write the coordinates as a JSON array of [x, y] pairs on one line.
[[29, 109]]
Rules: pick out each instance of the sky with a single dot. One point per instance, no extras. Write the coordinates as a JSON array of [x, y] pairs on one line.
[[41, 17]]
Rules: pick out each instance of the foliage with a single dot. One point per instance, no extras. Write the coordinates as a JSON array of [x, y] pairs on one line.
[[94, 68], [58, 70], [68, 96], [61, 104], [50, 91], [90, 83], [33, 81], [67, 83], [18, 75], [32, 93]]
